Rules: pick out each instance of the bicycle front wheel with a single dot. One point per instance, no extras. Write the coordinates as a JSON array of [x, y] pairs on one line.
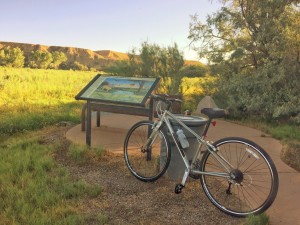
[[252, 182], [147, 163]]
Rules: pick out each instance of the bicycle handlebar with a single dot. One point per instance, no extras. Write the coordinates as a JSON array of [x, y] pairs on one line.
[[165, 98]]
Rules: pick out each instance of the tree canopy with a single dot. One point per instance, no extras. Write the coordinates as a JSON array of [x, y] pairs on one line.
[[58, 58], [153, 61], [11, 57], [40, 59], [254, 46]]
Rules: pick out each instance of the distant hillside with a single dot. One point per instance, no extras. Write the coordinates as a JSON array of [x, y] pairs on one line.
[[89, 58], [84, 56], [108, 54]]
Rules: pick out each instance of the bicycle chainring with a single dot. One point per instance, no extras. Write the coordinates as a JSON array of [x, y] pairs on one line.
[[197, 165]]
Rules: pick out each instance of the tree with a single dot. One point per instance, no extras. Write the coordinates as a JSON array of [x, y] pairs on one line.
[[255, 46], [153, 61], [193, 71], [58, 58], [11, 57], [78, 66], [121, 68], [40, 59], [156, 61]]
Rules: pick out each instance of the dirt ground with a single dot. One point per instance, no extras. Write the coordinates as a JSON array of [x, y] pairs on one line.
[[126, 200]]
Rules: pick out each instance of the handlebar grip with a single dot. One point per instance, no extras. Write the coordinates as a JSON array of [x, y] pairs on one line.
[[158, 97]]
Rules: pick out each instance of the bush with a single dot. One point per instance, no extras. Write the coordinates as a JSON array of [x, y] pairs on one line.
[[266, 92]]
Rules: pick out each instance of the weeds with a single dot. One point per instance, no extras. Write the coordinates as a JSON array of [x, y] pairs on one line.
[[289, 134], [31, 99], [83, 153], [262, 219], [34, 190]]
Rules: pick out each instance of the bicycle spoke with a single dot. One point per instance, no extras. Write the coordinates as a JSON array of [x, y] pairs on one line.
[[249, 186], [147, 163]]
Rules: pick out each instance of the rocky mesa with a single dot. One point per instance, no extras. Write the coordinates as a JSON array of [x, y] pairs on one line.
[[87, 57], [91, 59]]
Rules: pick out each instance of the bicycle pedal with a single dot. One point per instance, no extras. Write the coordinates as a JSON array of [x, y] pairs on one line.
[[178, 188]]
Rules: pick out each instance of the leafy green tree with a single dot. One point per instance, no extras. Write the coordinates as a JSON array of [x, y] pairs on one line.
[[255, 46], [151, 60], [193, 71], [11, 57], [58, 58], [78, 66], [121, 68], [40, 59], [156, 61]]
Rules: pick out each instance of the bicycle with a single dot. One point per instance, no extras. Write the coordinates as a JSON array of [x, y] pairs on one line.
[[236, 174]]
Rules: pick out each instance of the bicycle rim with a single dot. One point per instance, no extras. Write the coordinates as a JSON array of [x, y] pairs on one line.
[[253, 182], [151, 164]]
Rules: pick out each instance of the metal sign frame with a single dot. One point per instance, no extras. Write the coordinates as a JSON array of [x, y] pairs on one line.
[[100, 94], [118, 90]]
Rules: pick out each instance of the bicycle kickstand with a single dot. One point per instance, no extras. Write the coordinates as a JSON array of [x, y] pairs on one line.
[[179, 187]]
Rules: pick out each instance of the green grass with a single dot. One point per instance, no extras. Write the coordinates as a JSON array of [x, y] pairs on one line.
[[262, 219], [83, 153], [284, 131], [35, 190], [288, 134], [31, 99]]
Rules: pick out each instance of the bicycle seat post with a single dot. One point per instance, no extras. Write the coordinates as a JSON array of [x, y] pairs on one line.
[[206, 128], [212, 113]]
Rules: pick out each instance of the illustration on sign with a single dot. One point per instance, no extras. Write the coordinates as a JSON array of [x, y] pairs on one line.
[[119, 89]]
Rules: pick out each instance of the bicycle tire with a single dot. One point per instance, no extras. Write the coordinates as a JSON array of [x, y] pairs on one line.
[[150, 165], [254, 178]]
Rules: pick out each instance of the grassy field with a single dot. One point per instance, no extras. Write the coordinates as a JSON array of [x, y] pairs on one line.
[[33, 188], [31, 99]]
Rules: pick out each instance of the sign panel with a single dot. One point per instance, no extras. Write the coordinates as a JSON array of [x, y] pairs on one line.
[[123, 90]]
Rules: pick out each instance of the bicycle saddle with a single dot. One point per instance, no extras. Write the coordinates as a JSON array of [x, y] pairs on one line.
[[213, 113]]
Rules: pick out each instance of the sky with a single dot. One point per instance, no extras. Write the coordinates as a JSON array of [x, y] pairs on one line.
[[118, 25]]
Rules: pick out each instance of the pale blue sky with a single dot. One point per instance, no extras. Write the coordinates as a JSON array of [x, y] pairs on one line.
[[118, 25]]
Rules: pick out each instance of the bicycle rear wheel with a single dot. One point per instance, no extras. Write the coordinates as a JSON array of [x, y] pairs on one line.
[[147, 163], [252, 183]]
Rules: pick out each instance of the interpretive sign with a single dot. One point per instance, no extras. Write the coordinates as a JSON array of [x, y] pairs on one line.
[[124, 90], [125, 95]]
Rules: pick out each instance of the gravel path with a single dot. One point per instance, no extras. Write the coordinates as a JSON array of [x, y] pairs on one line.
[[126, 200]]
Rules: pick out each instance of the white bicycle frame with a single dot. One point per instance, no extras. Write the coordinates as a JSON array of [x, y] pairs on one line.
[[165, 119]]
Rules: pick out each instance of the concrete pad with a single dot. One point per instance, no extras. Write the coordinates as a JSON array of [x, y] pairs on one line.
[[110, 135], [285, 209]]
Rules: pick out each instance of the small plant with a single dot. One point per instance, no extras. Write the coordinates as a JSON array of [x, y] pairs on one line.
[[83, 153], [100, 219], [78, 153], [99, 151], [261, 219]]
